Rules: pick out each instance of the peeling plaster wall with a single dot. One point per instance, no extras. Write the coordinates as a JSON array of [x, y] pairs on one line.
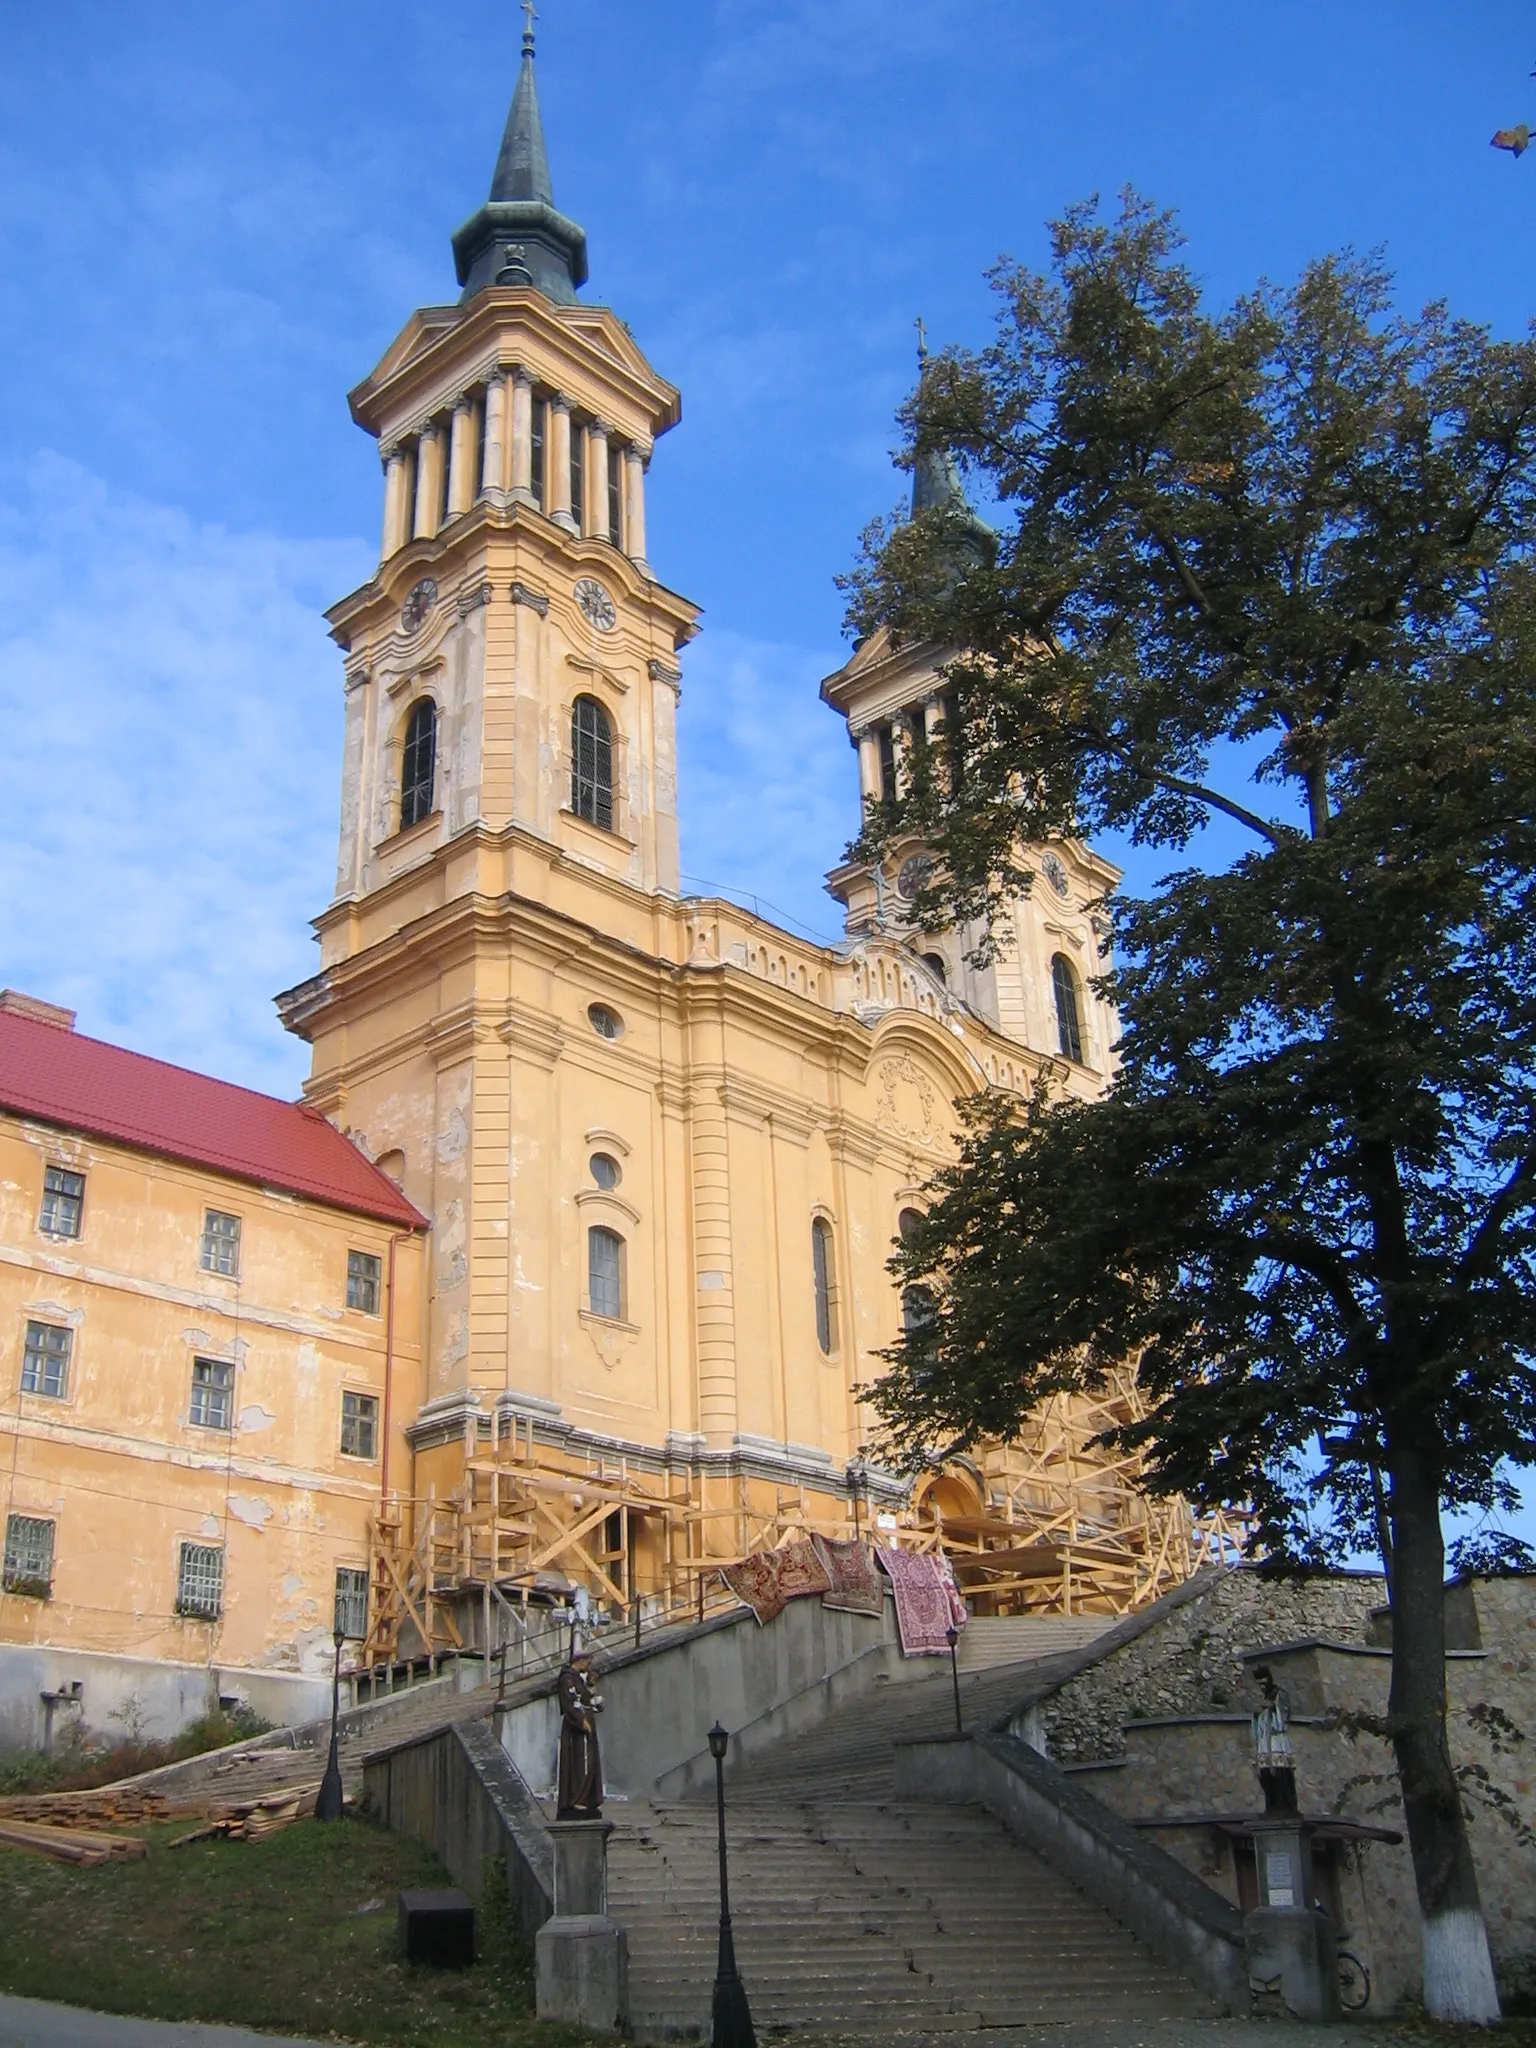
[[118, 1466]]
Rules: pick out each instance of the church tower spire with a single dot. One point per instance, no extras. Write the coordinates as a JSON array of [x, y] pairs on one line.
[[519, 236]]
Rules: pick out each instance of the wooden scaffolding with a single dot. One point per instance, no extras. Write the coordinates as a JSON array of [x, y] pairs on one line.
[[1048, 1524]]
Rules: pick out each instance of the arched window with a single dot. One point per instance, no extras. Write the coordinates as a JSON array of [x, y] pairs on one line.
[[822, 1271], [934, 962], [605, 1273], [418, 766], [907, 1222], [592, 763], [917, 1310], [1069, 1020]]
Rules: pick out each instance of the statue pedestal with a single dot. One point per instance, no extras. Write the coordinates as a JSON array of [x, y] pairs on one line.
[[581, 1956], [1292, 1953]]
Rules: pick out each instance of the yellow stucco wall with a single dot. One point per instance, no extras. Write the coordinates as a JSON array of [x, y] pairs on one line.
[[117, 1464]]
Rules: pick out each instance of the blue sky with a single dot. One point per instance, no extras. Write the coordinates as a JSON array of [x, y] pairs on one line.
[[214, 218]]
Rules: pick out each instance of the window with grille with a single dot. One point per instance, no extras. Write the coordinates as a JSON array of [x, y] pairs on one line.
[[363, 1282], [221, 1244], [213, 1393], [592, 763], [63, 1202], [418, 764], [821, 1268], [29, 1556], [45, 1360], [536, 478], [579, 476], [1069, 1025], [918, 1311], [887, 740], [359, 1426], [616, 496], [605, 1273], [351, 1603], [200, 1581]]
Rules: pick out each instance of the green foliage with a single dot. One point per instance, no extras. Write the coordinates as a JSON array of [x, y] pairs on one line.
[[75, 1765], [1273, 563]]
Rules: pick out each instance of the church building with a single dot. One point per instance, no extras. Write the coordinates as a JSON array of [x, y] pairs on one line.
[[651, 1152]]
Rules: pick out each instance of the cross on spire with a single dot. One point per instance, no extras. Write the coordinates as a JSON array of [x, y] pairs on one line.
[[529, 18], [922, 339]]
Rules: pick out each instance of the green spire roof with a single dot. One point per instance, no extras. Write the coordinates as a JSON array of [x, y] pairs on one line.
[[518, 237], [936, 485]]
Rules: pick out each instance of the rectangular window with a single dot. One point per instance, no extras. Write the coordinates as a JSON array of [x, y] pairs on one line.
[[351, 1603], [200, 1581], [221, 1244], [359, 1426], [887, 738], [536, 478], [45, 1361], [213, 1393], [579, 476], [363, 1282], [63, 1202], [616, 495], [29, 1556]]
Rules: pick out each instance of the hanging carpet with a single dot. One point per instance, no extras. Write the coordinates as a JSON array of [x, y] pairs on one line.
[[855, 1584], [926, 1601], [769, 1579]]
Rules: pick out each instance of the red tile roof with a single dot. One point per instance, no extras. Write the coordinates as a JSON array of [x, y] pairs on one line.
[[59, 1077]]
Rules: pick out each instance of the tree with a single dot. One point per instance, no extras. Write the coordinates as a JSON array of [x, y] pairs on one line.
[[1272, 564]]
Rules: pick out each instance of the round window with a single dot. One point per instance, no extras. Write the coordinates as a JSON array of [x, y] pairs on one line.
[[605, 1170], [605, 1022]]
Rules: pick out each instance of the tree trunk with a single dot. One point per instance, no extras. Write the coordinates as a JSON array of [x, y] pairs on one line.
[[1458, 1971]]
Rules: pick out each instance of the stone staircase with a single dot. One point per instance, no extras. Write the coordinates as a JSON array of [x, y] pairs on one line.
[[863, 1916]]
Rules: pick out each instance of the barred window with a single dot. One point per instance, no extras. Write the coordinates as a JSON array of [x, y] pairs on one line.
[[536, 453], [592, 763], [213, 1393], [221, 1244], [63, 1201], [579, 476], [45, 1360], [200, 1581], [605, 1273], [821, 1269], [418, 764], [919, 1311], [351, 1603], [616, 495], [359, 1425], [363, 1282], [29, 1556], [1069, 1027]]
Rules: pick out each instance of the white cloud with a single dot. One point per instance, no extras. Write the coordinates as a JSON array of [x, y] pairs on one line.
[[172, 723]]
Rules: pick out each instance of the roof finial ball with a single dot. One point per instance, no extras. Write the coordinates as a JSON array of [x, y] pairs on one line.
[[529, 18]]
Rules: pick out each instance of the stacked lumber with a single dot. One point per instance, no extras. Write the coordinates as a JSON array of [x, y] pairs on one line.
[[252, 1819], [70, 1844], [109, 1806]]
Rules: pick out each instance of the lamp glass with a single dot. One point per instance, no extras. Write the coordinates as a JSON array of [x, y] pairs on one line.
[[719, 1742]]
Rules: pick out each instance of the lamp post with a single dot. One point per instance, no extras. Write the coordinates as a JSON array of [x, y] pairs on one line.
[[952, 1636], [732, 2017], [328, 1804]]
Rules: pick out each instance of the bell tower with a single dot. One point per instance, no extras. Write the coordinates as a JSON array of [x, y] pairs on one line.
[[510, 669]]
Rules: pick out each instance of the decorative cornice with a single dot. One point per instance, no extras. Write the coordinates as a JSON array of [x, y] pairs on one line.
[[534, 599], [472, 599], [664, 672], [535, 1037]]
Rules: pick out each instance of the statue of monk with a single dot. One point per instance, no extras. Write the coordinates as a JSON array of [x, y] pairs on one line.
[[581, 1770]]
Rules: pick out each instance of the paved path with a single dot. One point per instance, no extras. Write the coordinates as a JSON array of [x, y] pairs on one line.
[[1214, 2033], [30, 2023]]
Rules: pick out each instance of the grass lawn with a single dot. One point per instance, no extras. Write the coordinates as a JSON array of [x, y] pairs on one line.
[[297, 1934]]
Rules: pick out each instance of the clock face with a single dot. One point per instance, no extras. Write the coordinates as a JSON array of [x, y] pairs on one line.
[[1054, 870], [595, 605], [418, 603], [913, 876]]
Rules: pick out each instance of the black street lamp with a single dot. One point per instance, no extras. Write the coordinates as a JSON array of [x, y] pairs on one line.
[[952, 1636], [732, 2016], [328, 1805]]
